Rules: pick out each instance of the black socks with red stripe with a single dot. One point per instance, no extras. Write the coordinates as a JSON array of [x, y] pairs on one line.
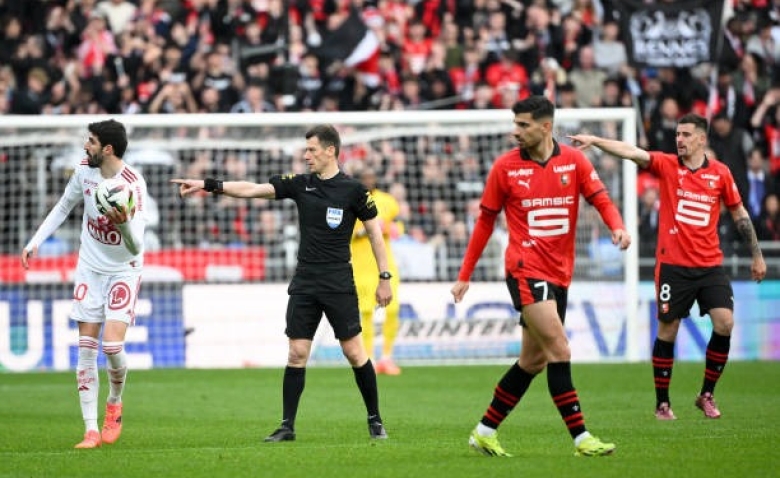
[[508, 392], [663, 361], [717, 356]]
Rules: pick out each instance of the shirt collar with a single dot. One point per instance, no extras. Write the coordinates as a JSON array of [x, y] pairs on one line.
[[704, 165], [556, 152]]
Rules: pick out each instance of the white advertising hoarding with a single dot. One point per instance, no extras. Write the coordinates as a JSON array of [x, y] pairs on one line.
[[239, 326]]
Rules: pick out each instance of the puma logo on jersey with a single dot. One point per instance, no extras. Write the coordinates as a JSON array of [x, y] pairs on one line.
[[527, 183]]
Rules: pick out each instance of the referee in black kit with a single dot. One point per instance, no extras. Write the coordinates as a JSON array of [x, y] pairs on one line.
[[329, 202]]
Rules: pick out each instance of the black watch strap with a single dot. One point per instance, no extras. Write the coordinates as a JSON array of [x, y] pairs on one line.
[[212, 185], [385, 275]]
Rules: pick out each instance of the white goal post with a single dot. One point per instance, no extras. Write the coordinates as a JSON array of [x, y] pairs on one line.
[[240, 246]]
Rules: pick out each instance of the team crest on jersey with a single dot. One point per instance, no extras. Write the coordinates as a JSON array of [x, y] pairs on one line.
[[711, 184], [565, 179], [334, 217]]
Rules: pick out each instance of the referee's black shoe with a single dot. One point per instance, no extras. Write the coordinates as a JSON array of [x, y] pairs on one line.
[[376, 430], [282, 433]]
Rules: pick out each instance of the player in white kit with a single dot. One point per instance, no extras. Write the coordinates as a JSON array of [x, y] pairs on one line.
[[108, 274]]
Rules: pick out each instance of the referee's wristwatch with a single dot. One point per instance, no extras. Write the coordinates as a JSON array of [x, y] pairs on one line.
[[385, 275]]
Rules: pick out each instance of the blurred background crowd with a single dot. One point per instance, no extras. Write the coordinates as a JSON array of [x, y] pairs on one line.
[[60, 57]]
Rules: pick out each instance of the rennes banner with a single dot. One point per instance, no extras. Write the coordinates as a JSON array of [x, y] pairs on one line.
[[682, 33]]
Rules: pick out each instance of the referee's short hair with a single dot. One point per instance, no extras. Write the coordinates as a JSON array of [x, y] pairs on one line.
[[327, 135]]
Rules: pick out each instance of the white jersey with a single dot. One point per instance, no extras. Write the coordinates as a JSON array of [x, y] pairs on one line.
[[102, 248]]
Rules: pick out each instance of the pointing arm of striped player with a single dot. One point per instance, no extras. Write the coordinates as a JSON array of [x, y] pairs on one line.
[[616, 148]]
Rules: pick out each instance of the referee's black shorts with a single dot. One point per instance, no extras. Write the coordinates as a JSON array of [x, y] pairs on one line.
[[322, 289], [678, 287]]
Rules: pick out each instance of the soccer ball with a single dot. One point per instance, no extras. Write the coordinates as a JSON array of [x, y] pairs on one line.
[[113, 193]]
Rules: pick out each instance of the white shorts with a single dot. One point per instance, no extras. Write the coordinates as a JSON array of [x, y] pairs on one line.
[[101, 297]]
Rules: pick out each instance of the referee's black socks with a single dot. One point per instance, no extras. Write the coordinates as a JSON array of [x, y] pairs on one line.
[[292, 388], [365, 377]]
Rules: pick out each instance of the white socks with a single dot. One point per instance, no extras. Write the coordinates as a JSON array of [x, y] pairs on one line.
[[88, 380], [578, 439], [484, 430], [117, 369]]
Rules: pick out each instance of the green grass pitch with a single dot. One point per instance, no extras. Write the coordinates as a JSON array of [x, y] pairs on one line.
[[210, 423]]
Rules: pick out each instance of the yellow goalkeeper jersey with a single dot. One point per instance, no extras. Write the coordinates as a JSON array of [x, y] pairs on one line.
[[362, 257]]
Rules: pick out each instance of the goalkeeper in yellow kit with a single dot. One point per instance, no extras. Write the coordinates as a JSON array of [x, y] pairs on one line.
[[367, 276]]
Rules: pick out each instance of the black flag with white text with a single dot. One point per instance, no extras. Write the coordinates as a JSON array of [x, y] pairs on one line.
[[678, 34]]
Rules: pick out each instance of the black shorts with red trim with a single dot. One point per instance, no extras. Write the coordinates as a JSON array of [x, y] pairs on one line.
[[678, 287], [528, 290]]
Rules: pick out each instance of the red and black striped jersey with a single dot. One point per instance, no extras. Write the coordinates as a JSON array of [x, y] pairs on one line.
[[690, 209]]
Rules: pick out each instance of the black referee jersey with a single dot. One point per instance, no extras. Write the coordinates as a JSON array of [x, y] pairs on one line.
[[327, 211]]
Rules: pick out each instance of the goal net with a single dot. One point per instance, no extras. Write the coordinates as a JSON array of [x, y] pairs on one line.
[[214, 284]]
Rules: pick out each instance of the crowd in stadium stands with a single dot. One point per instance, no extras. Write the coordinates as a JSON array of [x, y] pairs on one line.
[[170, 56]]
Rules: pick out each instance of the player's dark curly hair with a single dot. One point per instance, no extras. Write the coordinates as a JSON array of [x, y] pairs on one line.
[[538, 106], [327, 135], [110, 132]]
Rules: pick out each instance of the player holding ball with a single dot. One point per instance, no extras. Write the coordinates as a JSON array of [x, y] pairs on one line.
[[108, 274]]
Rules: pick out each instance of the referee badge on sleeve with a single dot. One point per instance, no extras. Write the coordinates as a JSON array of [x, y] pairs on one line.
[[334, 217]]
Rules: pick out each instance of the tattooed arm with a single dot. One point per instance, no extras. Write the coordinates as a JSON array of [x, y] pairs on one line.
[[748, 233]]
